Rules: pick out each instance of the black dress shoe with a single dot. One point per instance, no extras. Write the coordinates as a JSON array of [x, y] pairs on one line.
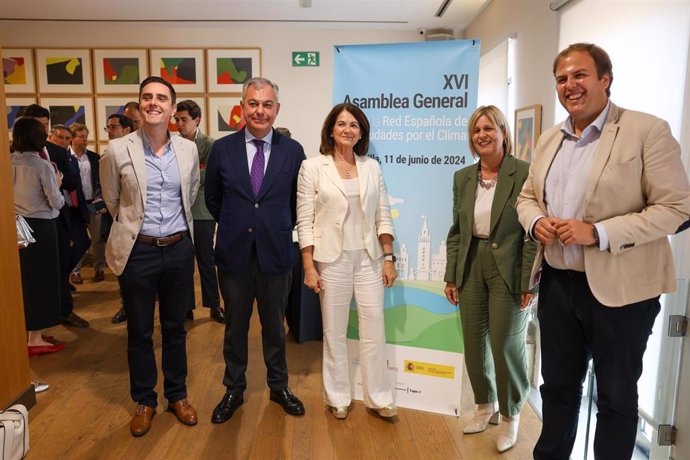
[[119, 317], [72, 287], [218, 315], [74, 320], [226, 407], [289, 401]]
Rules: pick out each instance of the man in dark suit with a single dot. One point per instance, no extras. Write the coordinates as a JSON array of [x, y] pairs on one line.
[[251, 191], [94, 207], [70, 184]]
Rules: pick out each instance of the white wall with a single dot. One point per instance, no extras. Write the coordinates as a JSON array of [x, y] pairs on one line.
[[305, 92], [536, 29]]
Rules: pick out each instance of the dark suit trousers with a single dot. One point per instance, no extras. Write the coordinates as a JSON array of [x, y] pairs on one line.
[[169, 272], [239, 291], [203, 244], [574, 327], [64, 245], [78, 236]]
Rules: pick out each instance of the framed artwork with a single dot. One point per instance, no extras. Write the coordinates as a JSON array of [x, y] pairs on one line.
[[118, 71], [183, 68], [68, 110], [201, 102], [224, 116], [527, 130], [106, 106], [229, 68], [18, 70], [64, 71], [14, 107]]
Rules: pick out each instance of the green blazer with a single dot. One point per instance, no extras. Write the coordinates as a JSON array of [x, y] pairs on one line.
[[203, 145], [513, 250]]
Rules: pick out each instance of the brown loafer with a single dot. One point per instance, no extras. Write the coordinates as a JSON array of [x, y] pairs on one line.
[[141, 422], [184, 412]]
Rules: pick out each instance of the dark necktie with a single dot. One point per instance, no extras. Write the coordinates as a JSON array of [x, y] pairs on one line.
[[257, 172], [42, 154]]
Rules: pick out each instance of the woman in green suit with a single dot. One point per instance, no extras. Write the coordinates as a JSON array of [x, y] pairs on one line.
[[489, 259]]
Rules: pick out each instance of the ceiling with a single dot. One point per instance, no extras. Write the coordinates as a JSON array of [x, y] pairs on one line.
[[355, 14]]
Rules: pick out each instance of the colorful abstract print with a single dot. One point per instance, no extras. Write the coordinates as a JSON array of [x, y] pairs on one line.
[[14, 71], [13, 112], [121, 71], [178, 70], [67, 114], [233, 70], [64, 71], [229, 118]]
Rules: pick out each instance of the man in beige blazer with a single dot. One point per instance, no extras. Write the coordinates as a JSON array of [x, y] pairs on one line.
[[149, 181], [605, 189]]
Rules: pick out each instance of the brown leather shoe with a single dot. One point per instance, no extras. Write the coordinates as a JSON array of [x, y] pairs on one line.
[[141, 422], [184, 412]]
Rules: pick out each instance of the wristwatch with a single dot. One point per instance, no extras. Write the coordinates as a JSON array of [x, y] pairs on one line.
[[595, 235], [389, 257]]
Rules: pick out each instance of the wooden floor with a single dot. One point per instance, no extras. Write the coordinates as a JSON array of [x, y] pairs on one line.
[[86, 412]]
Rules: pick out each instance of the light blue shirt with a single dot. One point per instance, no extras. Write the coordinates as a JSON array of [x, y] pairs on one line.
[[164, 211], [251, 148], [566, 185]]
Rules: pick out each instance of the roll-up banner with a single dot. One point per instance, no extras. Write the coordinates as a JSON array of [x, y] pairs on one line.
[[418, 98]]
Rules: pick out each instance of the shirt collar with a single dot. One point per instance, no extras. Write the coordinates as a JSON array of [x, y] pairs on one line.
[[147, 144], [248, 137], [598, 123]]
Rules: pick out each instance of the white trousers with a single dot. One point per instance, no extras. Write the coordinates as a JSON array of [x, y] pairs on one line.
[[354, 271]]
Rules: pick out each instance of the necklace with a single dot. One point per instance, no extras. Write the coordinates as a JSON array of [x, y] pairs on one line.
[[345, 167], [485, 184]]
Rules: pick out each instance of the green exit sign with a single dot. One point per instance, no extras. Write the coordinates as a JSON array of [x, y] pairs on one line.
[[305, 59]]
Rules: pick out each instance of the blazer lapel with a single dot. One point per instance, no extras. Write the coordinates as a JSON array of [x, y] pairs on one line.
[[363, 175], [601, 156], [237, 154], [504, 188], [137, 155], [275, 164], [469, 192], [332, 172], [541, 165], [183, 166]]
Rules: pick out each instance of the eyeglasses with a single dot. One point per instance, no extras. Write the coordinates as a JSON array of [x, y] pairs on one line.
[[111, 127]]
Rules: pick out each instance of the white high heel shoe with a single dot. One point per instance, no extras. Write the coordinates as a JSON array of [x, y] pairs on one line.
[[483, 415], [507, 436]]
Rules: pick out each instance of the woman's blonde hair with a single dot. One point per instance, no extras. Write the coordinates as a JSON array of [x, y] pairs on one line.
[[499, 120]]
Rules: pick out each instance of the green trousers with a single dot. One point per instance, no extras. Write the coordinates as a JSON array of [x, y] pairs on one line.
[[494, 331]]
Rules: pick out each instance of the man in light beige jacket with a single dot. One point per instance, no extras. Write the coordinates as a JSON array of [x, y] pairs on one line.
[[605, 189], [149, 181]]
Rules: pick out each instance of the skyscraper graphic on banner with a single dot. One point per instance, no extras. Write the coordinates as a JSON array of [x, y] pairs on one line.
[[429, 265]]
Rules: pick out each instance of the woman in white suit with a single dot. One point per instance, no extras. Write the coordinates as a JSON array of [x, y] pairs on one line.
[[346, 237]]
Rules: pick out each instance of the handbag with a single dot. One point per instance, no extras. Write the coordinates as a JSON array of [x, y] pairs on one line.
[[14, 432], [24, 232]]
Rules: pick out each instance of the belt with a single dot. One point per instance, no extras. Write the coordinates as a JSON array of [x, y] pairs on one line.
[[163, 240]]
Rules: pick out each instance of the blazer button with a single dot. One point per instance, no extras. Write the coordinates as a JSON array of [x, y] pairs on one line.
[[250, 230], [494, 245], [134, 237], [256, 205]]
